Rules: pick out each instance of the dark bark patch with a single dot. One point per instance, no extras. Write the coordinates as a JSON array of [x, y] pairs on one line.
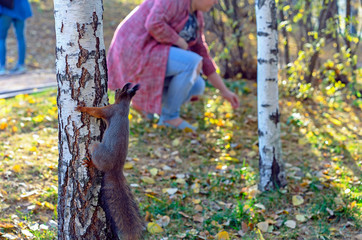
[[274, 51], [82, 57], [81, 30], [261, 3], [275, 117], [84, 77], [95, 22], [270, 79], [275, 172], [265, 105], [260, 133], [270, 61], [263, 34]]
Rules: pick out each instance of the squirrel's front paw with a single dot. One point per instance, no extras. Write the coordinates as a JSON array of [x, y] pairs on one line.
[[87, 162]]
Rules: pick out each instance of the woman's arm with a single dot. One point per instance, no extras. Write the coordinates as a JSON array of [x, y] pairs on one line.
[[218, 83]]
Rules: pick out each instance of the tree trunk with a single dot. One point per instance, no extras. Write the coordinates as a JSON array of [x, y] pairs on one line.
[[82, 80], [271, 165]]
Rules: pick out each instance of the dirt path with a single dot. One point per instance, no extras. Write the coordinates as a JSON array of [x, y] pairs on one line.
[[29, 82]]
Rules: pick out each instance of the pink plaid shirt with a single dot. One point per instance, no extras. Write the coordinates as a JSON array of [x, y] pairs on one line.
[[140, 46]]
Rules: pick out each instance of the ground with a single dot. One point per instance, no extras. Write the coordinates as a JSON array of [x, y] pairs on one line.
[[199, 186]]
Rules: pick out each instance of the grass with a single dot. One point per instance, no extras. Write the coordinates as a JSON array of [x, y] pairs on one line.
[[205, 184]]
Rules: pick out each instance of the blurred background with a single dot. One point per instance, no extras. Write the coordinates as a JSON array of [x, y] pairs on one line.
[[319, 41]]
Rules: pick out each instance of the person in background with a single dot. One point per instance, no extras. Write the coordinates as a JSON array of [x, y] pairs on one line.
[[17, 17], [161, 46]]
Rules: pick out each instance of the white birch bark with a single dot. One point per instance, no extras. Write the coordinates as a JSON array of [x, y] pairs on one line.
[[271, 165], [82, 80]]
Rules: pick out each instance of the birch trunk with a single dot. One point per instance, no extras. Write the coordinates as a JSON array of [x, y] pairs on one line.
[[271, 165], [82, 80]]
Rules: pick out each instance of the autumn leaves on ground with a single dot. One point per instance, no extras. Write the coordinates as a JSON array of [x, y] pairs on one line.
[[200, 186]]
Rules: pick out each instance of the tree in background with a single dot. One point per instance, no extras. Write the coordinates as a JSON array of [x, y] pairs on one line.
[[271, 166], [82, 80]]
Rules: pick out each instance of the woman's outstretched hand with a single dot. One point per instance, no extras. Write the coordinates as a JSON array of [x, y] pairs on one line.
[[231, 97]]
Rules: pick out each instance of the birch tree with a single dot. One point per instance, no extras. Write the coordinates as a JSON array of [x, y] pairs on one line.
[[271, 165], [82, 80]]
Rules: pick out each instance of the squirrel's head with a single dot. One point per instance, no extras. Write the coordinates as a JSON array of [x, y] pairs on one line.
[[126, 93]]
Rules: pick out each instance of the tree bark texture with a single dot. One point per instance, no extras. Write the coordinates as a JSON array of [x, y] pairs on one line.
[[82, 80], [271, 166]]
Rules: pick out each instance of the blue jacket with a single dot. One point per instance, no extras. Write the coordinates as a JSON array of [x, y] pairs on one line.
[[22, 10]]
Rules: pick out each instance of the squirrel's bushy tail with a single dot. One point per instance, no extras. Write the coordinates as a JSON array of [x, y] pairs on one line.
[[121, 206]]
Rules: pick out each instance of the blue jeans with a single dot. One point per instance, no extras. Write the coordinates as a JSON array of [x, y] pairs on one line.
[[181, 83], [19, 25]]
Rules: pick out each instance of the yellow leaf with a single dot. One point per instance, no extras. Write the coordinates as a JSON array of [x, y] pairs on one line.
[[128, 165], [15, 129], [38, 118], [153, 171], [49, 205], [32, 149], [148, 180], [17, 168], [3, 125], [130, 116], [223, 235], [196, 201], [176, 142], [154, 228], [297, 200]]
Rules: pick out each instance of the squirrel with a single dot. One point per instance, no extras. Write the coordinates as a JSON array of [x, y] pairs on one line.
[[109, 156]]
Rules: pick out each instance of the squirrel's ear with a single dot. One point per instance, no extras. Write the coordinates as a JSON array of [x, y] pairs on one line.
[[126, 87], [133, 91]]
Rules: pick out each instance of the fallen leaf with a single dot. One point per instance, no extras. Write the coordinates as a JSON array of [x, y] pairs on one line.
[[153, 228], [148, 180], [259, 205], [198, 218], [170, 191], [153, 171], [27, 233], [6, 225], [223, 235], [17, 168], [297, 200], [128, 165], [198, 208], [163, 221], [290, 224], [176, 142], [9, 236], [300, 218], [184, 214], [49, 205], [263, 226], [358, 237]]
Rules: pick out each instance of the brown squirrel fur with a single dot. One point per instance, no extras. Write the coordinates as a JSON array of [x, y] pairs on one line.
[[109, 156]]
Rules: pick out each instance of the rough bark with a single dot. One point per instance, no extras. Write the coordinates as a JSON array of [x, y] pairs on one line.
[[82, 80], [271, 165]]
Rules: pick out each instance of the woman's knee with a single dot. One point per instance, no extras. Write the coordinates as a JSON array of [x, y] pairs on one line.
[[199, 86]]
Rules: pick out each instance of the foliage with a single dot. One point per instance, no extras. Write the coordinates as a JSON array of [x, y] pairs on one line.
[[199, 186]]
